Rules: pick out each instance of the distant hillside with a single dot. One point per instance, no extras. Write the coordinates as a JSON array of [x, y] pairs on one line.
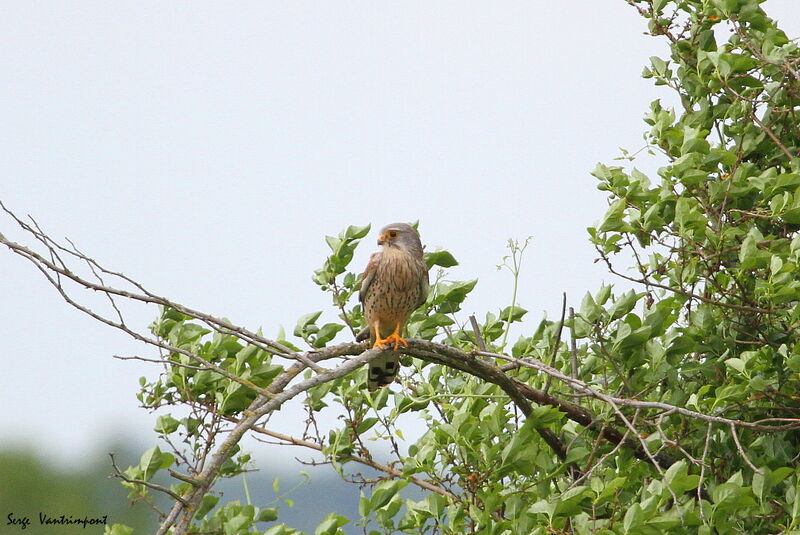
[[30, 483]]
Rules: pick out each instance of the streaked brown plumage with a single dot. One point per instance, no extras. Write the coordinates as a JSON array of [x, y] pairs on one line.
[[395, 284]]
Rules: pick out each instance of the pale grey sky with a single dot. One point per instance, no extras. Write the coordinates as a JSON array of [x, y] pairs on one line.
[[205, 149]]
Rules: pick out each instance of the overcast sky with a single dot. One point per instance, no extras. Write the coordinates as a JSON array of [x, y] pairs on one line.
[[205, 149]]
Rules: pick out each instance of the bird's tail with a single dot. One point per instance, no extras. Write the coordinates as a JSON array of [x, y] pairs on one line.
[[382, 370]]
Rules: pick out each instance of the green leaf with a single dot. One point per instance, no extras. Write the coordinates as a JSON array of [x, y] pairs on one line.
[[517, 451], [779, 474], [758, 485], [154, 460], [613, 220], [543, 506], [589, 309], [603, 294], [208, 503], [354, 232], [166, 424], [452, 295], [688, 215], [384, 492], [726, 492], [305, 322], [569, 501], [736, 364], [576, 455], [512, 314], [676, 471], [331, 524], [659, 65], [678, 479], [327, 333], [268, 514], [245, 354], [670, 519], [634, 518], [436, 504], [333, 243], [367, 424], [363, 506], [440, 258], [280, 529], [624, 304], [610, 489], [545, 414], [734, 64], [749, 255], [793, 363]]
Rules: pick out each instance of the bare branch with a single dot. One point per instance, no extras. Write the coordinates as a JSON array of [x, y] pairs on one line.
[[422, 483], [161, 361], [216, 323], [647, 282], [118, 474], [573, 349], [180, 516], [477, 331], [557, 341], [741, 450], [478, 363], [582, 387]]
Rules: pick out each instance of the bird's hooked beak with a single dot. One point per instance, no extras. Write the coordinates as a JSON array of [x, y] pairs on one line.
[[387, 237]]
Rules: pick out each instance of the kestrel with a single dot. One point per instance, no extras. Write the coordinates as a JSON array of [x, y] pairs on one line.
[[395, 284]]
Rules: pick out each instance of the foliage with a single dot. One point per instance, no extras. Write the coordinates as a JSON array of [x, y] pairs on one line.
[[712, 329], [675, 411]]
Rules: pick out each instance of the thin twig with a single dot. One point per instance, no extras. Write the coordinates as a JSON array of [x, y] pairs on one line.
[[161, 361], [764, 127], [118, 474], [422, 483], [582, 387], [557, 341], [479, 341], [647, 282], [573, 348], [703, 469], [741, 450]]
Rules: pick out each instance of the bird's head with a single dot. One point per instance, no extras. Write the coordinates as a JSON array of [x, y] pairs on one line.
[[403, 236]]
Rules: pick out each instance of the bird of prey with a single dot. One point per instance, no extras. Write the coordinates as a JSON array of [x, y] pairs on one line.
[[395, 283]]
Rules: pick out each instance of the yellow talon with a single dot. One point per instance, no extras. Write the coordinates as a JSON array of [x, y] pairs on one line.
[[394, 339]]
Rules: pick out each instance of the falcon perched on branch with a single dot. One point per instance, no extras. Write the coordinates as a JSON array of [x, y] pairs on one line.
[[395, 283]]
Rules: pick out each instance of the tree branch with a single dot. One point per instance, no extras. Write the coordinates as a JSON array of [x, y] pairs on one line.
[[422, 483], [270, 399]]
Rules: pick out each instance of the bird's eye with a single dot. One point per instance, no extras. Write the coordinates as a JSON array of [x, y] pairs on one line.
[[392, 233]]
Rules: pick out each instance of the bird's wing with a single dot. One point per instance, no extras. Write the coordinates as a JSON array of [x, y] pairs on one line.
[[424, 285], [366, 282], [369, 276]]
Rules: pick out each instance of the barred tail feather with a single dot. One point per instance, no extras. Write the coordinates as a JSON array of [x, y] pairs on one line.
[[382, 370]]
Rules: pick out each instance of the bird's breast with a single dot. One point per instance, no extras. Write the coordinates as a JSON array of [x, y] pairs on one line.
[[394, 293], [398, 270]]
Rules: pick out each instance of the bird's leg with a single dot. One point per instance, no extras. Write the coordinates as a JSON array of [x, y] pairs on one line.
[[395, 339], [379, 342]]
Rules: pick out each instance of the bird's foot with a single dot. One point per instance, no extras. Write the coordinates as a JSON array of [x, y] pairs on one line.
[[393, 340]]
